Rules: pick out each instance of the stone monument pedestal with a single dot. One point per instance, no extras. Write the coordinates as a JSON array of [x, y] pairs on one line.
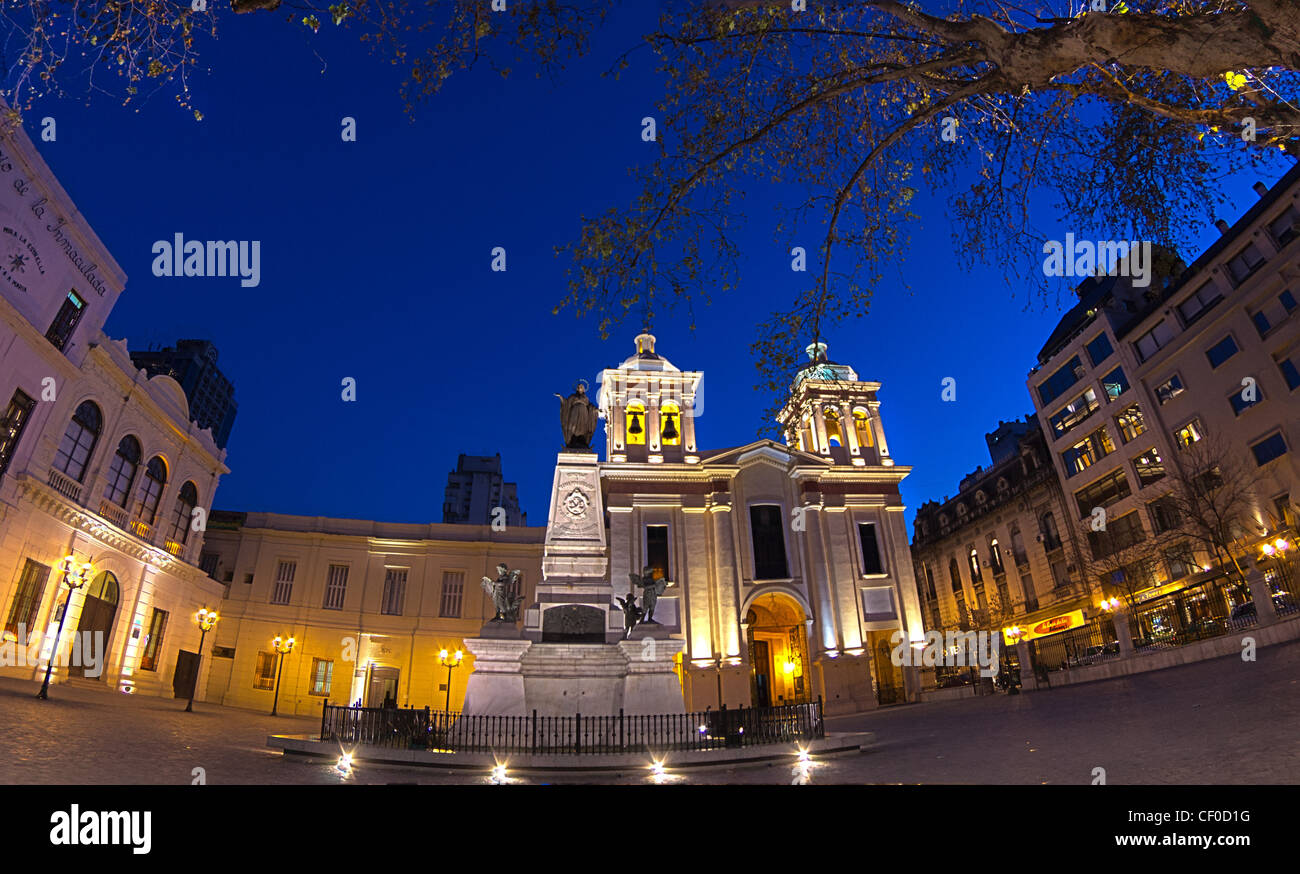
[[570, 656]]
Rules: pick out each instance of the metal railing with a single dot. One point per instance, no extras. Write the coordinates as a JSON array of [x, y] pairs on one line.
[[571, 735]]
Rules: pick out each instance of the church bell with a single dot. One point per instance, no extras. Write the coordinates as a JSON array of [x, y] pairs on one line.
[[635, 427], [670, 429]]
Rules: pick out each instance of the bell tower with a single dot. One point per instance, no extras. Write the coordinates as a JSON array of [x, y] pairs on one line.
[[649, 408], [833, 414]]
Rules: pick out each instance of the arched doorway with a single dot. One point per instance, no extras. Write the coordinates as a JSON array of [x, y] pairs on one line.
[[889, 677], [97, 616], [780, 672]]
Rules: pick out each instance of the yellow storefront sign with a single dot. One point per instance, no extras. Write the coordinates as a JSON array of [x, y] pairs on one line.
[[1045, 627]]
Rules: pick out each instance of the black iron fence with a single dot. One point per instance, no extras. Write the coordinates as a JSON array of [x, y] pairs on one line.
[[1092, 643], [571, 735]]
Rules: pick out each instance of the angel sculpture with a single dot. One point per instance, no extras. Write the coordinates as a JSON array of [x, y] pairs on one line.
[[631, 613], [651, 589], [507, 606]]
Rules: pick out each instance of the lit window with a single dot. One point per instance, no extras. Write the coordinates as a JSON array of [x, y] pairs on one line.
[[322, 672], [1115, 383], [1130, 423], [1169, 389], [65, 322], [1150, 467], [1189, 433]]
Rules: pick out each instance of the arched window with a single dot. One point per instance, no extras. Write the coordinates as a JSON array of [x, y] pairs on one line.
[[995, 555], [975, 565], [1051, 537], [186, 501], [834, 436], [954, 578], [155, 477], [670, 416], [635, 423], [863, 428], [126, 461], [79, 441]]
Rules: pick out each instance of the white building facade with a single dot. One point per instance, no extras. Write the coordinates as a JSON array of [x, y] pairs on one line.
[[97, 461]]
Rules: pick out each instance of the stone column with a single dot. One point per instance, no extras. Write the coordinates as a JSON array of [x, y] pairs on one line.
[[882, 448], [815, 572], [1028, 682], [1262, 596], [1123, 634], [849, 429], [724, 551]]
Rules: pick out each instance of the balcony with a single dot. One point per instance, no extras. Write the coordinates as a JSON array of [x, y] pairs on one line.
[[65, 485]]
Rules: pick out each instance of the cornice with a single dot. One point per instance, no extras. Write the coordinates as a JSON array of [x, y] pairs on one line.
[[46, 499]]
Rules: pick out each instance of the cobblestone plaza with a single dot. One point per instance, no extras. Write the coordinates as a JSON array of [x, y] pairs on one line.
[[1217, 722]]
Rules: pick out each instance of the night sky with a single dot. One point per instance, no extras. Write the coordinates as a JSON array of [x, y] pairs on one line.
[[375, 264]]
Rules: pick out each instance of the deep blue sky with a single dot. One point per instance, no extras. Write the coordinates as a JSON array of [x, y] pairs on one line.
[[376, 265]]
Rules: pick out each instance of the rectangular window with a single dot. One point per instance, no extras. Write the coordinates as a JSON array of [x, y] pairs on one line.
[[66, 321], [1261, 322], [27, 600], [871, 563], [1164, 515], [1199, 303], [282, 591], [1074, 413], [1190, 433], [264, 676], [153, 642], [1119, 535], [1246, 262], [1221, 351], [1169, 389], [208, 563], [1099, 349], [1087, 452], [453, 591], [1283, 229], [1102, 493], [1130, 423], [767, 530], [11, 427], [1287, 300], [656, 549], [1244, 399], [322, 671], [1114, 383], [336, 587], [1150, 467], [1268, 449], [1154, 340], [394, 591], [1289, 373], [1059, 382]]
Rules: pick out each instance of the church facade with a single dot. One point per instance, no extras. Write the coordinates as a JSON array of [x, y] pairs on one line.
[[787, 564]]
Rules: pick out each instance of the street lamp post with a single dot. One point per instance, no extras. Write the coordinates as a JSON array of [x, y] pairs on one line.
[[283, 647], [206, 619], [450, 663], [75, 574]]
